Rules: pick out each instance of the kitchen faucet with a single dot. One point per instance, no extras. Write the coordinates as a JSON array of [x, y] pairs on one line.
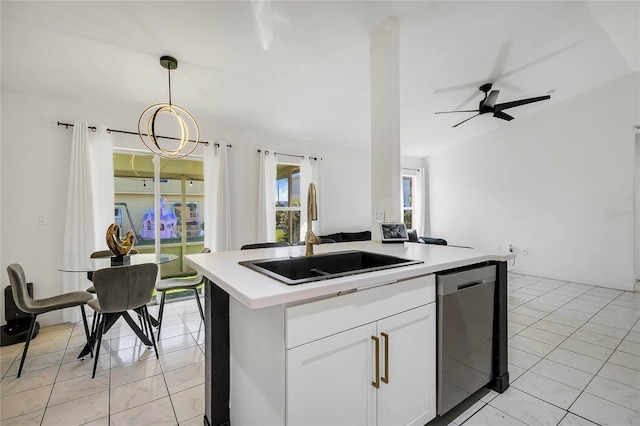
[[312, 214]]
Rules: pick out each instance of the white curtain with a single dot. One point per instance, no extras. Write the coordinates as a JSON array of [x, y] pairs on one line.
[[419, 216], [418, 204], [102, 181], [267, 198], [306, 177], [217, 199], [422, 204], [89, 209], [317, 179], [311, 172], [209, 169]]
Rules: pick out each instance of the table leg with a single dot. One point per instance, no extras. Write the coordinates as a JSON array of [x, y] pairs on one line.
[[111, 320], [136, 329]]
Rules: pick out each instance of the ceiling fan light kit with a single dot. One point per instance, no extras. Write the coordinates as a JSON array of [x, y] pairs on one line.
[[186, 122], [488, 105]]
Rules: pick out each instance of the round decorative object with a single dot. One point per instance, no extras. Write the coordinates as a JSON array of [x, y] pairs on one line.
[[119, 247], [170, 147]]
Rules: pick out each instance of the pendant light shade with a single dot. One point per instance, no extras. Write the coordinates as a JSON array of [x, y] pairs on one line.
[[150, 119]]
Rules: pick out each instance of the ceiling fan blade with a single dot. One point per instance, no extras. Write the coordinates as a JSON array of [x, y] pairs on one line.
[[506, 105], [491, 99], [469, 99], [502, 115], [448, 112], [464, 121]]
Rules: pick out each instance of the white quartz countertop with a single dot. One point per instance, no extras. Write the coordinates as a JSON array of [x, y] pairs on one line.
[[256, 290]]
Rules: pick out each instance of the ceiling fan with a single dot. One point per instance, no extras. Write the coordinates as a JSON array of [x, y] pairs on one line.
[[488, 104]]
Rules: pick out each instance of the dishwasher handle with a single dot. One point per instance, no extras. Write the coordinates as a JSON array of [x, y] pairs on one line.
[[475, 283], [456, 281]]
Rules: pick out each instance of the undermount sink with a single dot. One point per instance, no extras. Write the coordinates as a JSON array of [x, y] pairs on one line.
[[299, 270]]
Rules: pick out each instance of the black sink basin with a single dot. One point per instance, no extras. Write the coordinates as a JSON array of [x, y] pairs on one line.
[[299, 270]]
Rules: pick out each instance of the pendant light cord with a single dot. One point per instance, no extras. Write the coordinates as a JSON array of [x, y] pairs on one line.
[[169, 69]]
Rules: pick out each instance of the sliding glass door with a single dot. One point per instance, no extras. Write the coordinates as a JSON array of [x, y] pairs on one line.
[[175, 190]]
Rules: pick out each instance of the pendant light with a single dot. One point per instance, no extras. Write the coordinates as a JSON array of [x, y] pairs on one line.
[[173, 147]]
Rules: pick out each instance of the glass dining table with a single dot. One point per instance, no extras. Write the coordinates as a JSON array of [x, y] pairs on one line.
[[93, 264]]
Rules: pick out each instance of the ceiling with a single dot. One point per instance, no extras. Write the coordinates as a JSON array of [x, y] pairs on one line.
[[301, 68]]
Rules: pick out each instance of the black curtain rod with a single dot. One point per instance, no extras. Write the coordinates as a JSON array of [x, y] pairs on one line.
[[289, 155], [93, 129]]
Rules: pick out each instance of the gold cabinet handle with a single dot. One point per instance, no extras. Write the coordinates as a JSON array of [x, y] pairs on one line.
[[376, 384], [385, 379]]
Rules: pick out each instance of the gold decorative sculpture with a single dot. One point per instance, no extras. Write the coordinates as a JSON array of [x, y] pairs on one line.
[[119, 247]]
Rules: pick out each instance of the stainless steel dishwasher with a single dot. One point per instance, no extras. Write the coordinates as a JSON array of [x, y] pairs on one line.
[[465, 330]]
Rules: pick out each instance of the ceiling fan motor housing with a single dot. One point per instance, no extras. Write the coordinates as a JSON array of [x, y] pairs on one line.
[[482, 109], [485, 88]]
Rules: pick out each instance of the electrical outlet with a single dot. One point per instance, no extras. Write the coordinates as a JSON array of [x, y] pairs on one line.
[[379, 215], [40, 220], [498, 248], [525, 250]]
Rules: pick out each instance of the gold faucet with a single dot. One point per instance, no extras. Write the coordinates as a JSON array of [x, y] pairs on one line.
[[312, 214]]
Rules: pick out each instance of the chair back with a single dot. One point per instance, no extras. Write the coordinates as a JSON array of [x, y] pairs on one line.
[[322, 241], [199, 276], [264, 245], [126, 287], [24, 302], [107, 253]]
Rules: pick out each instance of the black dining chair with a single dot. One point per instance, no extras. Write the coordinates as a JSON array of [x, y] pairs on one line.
[[96, 255], [36, 307], [322, 241], [120, 289], [264, 245], [190, 283], [104, 253]]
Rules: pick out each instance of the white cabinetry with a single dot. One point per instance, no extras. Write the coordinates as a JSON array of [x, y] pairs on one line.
[[314, 363], [379, 373], [328, 382], [409, 395]]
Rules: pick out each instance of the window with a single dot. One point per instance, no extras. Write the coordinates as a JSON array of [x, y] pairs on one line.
[[288, 203], [181, 183], [408, 200]]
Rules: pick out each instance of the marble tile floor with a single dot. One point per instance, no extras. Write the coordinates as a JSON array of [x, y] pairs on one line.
[[131, 386], [574, 359]]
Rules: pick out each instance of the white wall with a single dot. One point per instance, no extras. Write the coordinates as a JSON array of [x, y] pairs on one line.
[[35, 166], [558, 182]]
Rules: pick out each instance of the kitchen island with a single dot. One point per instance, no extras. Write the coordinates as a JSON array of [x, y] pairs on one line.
[[358, 349]]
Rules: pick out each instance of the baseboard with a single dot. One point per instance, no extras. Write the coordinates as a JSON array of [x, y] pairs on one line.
[[576, 280]]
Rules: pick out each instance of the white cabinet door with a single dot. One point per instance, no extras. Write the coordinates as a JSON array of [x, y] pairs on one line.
[[409, 396], [329, 380]]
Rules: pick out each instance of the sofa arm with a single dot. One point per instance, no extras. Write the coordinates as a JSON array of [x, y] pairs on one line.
[[437, 241]]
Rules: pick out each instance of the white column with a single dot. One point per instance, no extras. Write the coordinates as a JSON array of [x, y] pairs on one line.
[[156, 202], [385, 125]]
